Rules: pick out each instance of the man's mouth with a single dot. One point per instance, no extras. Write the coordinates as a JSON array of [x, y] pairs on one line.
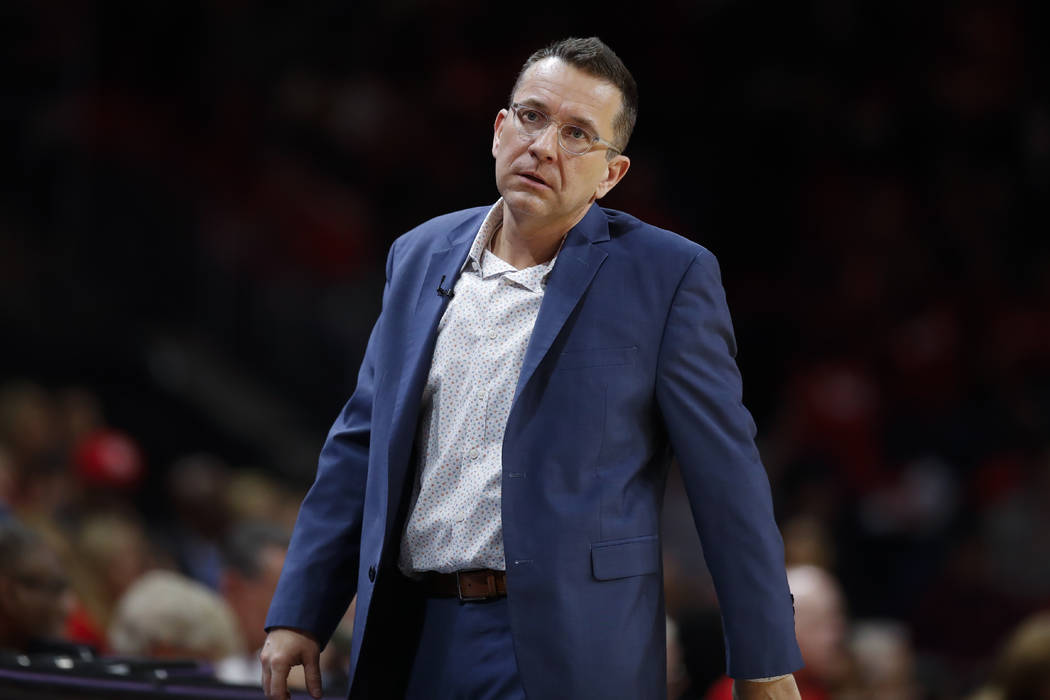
[[535, 178]]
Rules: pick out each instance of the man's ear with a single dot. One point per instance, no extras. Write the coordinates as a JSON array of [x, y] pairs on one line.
[[615, 170], [497, 129]]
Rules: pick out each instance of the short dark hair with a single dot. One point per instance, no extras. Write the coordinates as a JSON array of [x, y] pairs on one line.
[[595, 58], [245, 543]]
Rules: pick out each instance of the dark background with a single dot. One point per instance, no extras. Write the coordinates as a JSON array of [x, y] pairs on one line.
[[196, 200]]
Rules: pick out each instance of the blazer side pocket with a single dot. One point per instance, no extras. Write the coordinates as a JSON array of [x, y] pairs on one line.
[[599, 357], [622, 558]]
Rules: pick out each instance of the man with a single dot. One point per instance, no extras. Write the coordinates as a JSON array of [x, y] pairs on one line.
[[492, 489], [254, 553], [35, 597]]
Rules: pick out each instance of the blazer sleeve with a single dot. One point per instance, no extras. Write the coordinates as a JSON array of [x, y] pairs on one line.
[[712, 434], [319, 578]]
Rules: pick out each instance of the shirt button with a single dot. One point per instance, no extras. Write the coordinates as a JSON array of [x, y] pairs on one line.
[[475, 453], [492, 335], [371, 574]]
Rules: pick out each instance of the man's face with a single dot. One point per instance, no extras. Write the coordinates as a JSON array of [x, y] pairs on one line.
[[540, 182], [250, 597], [35, 599], [820, 622]]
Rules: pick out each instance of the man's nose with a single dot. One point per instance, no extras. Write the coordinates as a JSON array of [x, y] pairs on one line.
[[545, 144]]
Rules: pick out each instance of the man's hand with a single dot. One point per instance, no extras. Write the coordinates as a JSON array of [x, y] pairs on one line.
[[783, 689], [284, 648]]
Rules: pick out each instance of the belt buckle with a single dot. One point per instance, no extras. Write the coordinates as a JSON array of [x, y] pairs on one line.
[[491, 580]]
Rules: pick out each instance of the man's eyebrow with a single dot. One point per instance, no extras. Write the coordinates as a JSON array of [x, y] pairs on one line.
[[573, 119], [534, 103]]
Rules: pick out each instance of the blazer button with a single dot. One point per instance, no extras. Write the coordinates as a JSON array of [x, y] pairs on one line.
[[371, 574]]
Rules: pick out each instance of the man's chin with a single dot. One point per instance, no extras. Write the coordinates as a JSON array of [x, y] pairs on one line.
[[527, 203]]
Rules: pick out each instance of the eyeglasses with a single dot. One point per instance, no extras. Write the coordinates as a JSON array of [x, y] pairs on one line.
[[574, 139]]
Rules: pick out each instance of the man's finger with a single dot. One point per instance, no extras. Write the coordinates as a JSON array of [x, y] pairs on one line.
[[265, 676], [312, 669], [278, 689]]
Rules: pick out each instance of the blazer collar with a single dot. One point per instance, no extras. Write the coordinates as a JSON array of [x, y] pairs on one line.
[[468, 229]]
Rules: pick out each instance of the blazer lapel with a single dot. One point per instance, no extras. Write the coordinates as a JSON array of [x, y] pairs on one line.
[[573, 272]]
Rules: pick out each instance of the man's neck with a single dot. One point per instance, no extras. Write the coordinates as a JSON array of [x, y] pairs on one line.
[[525, 242]]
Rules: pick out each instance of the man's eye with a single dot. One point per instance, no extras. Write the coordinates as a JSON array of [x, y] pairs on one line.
[[531, 115], [577, 134]]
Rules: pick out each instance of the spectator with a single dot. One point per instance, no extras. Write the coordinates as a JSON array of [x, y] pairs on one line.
[[820, 626], [165, 615], [80, 413], [109, 466], [807, 541], [35, 597], [253, 495], [1017, 533], [254, 554], [111, 553], [198, 486], [1023, 668], [962, 643], [28, 426], [885, 660], [31, 431]]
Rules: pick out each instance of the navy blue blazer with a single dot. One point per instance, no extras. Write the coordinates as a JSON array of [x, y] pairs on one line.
[[631, 360]]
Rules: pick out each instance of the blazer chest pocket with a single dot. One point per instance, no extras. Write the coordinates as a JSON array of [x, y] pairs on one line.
[[600, 357], [622, 558]]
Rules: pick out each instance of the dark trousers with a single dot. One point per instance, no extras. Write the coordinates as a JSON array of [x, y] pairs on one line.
[[465, 652]]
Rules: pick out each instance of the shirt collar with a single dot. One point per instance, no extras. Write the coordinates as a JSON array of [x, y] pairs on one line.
[[493, 220], [486, 264]]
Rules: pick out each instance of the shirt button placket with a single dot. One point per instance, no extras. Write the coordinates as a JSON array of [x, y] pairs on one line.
[[492, 317]]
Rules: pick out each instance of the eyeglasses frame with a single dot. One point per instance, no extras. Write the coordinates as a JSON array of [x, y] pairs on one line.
[[516, 106]]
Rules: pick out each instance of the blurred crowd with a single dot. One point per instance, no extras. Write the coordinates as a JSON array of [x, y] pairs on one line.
[[873, 177], [89, 566]]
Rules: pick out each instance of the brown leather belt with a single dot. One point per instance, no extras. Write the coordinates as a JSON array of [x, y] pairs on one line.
[[479, 584]]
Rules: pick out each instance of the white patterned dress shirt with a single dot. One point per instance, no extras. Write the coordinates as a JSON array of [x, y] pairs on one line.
[[454, 519]]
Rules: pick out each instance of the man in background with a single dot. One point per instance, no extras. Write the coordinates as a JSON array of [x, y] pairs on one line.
[[35, 596], [254, 553]]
